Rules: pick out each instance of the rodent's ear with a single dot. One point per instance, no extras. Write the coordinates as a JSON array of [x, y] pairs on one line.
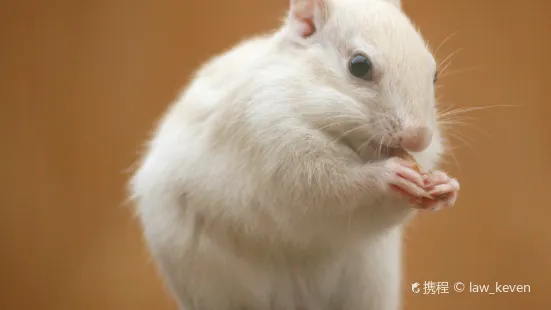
[[307, 16]]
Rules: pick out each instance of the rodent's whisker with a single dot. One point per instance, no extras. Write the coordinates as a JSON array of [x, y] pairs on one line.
[[450, 125], [346, 117], [461, 138], [381, 145], [377, 120], [366, 143], [348, 132], [451, 151], [444, 68], [447, 108], [444, 42], [345, 122], [470, 109], [451, 119], [448, 60], [449, 73]]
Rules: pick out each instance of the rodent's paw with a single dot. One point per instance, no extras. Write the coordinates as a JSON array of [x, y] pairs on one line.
[[443, 188], [402, 178]]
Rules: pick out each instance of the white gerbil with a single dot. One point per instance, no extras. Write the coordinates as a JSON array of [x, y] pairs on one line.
[[269, 183]]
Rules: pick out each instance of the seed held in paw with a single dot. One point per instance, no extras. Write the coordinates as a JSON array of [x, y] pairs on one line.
[[401, 153]]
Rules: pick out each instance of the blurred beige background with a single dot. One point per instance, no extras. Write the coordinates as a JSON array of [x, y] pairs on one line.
[[82, 83]]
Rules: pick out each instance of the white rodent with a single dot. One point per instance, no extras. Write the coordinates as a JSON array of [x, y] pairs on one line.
[[269, 183]]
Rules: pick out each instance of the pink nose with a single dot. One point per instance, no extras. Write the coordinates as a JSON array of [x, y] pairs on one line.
[[415, 139]]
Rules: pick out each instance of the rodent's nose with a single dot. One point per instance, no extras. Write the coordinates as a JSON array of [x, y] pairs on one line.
[[415, 139]]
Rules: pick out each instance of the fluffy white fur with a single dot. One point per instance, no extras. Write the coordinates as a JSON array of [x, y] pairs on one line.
[[250, 194]]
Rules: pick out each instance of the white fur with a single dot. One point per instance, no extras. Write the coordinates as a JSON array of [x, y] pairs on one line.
[[247, 198]]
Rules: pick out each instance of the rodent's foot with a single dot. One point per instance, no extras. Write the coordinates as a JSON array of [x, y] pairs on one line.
[[443, 188], [405, 180]]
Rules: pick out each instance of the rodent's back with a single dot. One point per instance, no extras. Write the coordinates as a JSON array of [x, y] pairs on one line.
[[206, 132], [225, 72]]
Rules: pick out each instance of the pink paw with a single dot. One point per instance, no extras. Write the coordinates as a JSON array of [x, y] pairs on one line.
[[426, 191], [443, 188], [404, 179]]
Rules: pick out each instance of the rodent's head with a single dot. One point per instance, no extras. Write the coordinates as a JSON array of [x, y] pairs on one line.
[[370, 53]]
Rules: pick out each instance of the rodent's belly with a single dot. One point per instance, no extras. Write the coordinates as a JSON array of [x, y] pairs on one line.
[[303, 292], [275, 288], [249, 286]]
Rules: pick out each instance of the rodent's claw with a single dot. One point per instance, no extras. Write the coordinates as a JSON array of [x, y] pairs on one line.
[[444, 188], [444, 201]]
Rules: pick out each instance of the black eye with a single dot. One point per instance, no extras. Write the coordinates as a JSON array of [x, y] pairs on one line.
[[361, 67], [435, 77]]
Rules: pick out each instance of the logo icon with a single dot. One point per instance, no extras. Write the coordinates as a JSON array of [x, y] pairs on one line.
[[415, 288], [459, 287]]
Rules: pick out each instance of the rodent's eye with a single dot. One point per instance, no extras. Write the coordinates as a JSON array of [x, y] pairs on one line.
[[435, 77], [361, 67]]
